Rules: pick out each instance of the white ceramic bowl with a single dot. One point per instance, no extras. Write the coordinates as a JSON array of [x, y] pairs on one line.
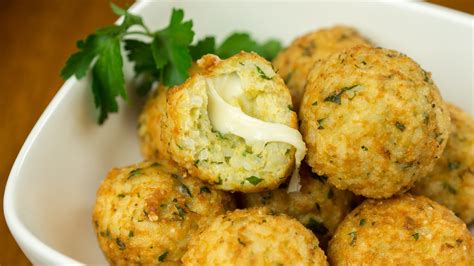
[[51, 189]]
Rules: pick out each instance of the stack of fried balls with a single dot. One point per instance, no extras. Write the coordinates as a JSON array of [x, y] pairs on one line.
[[388, 176]]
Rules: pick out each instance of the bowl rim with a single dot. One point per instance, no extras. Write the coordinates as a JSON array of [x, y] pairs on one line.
[[28, 242]]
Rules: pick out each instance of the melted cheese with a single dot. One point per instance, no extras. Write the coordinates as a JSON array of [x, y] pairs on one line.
[[226, 116]]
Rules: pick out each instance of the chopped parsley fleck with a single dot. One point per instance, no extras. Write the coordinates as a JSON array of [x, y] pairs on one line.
[[185, 190], [336, 97], [315, 103], [426, 119], [196, 162], [449, 187], [354, 237], [219, 180], [131, 234], [400, 126], [416, 236], [179, 146], [320, 123], [330, 194], [362, 222], [121, 195], [162, 257], [181, 211], [364, 148], [120, 244], [204, 189], [262, 74], [452, 165], [241, 242], [134, 172], [254, 180], [317, 227], [290, 107]]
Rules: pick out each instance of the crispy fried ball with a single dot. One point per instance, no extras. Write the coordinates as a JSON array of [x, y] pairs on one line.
[[153, 146], [318, 205], [295, 62], [451, 182], [226, 160], [254, 237], [404, 230], [146, 213], [373, 120]]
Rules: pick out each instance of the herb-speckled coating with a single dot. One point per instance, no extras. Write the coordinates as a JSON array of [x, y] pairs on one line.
[[146, 213], [254, 237], [403, 230], [451, 182], [153, 146], [226, 160], [318, 205], [373, 121], [295, 62]]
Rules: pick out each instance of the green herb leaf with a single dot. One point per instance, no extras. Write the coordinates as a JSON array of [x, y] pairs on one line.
[[353, 237], [241, 41], [204, 189], [336, 97], [362, 222], [317, 227], [202, 47], [254, 180], [170, 49], [162, 257], [453, 165], [120, 244], [400, 126], [416, 236], [185, 190], [262, 74], [140, 54]]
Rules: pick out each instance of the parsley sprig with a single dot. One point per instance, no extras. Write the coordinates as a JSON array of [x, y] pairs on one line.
[[165, 57]]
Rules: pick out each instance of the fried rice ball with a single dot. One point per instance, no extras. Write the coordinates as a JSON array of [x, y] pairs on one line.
[[318, 205], [451, 182], [254, 237], [227, 160], [146, 213], [403, 230], [152, 145], [373, 120], [295, 62]]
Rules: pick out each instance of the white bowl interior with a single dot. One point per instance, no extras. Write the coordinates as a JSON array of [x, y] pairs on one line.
[[51, 189]]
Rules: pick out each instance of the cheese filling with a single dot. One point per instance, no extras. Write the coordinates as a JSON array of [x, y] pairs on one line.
[[226, 116]]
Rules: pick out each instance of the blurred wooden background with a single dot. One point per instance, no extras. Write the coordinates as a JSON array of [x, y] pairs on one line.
[[36, 39]]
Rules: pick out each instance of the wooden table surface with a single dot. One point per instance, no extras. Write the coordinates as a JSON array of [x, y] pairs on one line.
[[36, 39]]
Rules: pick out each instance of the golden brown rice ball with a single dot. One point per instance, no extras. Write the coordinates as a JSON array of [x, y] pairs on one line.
[[254, 237], [318, 205], [146, 213], [295, 62], [227, 160], [373, 120], [404, 230], [451, 182], [153, 146]]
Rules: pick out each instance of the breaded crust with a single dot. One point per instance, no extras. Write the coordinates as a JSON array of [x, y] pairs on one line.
[[254, 237], [226, 160], [318, 205], [404, 230], [451, 183], [373, 121], [146, 213], [295, 62]]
